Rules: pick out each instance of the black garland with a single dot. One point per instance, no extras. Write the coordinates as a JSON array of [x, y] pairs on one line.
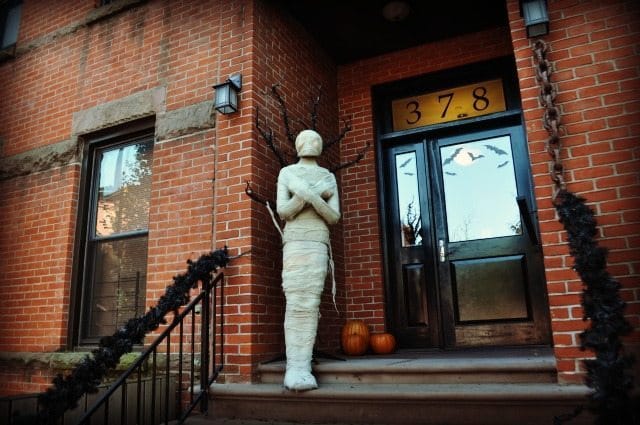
[[609, 373], [85, 378]]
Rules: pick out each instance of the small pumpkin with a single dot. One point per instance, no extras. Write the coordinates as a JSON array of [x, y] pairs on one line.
[[355, 327], [382, 343], [354, 345]]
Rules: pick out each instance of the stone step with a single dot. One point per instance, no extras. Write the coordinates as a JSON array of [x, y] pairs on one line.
[[397, 404], [530, 365]]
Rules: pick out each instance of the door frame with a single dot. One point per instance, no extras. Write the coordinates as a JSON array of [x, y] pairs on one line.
[[503, 68]]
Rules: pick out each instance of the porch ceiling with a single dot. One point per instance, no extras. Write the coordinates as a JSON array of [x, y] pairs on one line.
[[355, 29]]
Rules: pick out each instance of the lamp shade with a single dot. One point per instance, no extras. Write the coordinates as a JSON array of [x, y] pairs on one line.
[[226, 95], [536, 18]]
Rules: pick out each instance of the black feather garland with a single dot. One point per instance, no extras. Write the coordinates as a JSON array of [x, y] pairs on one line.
[[608, 374], [85, 378]]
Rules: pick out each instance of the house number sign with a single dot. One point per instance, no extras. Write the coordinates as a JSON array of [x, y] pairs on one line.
[[453, 104]]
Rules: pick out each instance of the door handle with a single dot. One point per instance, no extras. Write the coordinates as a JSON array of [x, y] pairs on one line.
[[526, 214], [442, 249]]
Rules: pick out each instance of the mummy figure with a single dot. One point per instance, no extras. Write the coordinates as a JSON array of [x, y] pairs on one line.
[[308, 202]]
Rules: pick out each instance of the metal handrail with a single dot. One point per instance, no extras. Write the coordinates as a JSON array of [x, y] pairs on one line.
[[209, 369]]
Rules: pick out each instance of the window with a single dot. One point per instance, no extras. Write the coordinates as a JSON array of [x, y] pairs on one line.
[[10, 11], [116, 232]]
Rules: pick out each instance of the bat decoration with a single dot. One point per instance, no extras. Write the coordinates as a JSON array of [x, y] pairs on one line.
[[474, 157], [496, 150], [405, 163], [452, 157]]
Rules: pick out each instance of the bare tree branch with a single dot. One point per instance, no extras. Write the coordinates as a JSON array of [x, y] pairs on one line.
[[283, 113], [345, 129], [268, 138], [314, 109], [251, 194], [357, 159]]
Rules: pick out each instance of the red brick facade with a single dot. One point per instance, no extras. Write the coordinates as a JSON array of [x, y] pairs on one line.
[[160, 58]]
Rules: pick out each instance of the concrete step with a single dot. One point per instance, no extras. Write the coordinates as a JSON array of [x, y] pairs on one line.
[[398, 404], [512, 365]]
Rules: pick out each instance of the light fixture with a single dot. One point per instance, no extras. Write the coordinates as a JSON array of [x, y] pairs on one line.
[[536, 18], [226, 100], [396, 11]]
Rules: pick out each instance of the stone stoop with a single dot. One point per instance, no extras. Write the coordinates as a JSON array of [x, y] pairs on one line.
[[399, 404], [503, 387], [435, 368]]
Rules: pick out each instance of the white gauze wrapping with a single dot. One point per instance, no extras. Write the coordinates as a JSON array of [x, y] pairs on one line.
[[303, 274]]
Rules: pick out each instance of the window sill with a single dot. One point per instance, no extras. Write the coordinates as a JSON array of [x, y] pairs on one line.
[[58, 361], [7, 53]]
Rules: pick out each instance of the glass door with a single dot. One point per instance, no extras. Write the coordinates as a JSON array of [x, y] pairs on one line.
[[490, 263], [413, 293], [465, 268]]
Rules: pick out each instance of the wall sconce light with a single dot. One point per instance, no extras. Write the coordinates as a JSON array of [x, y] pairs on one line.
[[536, 18], [226, 100], [396, 11]]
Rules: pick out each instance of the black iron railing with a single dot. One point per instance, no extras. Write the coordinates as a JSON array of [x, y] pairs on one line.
[[180, 365]]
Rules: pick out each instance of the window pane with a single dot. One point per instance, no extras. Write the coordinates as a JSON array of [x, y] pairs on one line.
[[11, 24], [480, 190], [118, 292], [408, 199], [124, 188]]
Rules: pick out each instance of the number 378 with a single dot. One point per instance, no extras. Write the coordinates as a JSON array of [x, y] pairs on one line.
[[480, 103]]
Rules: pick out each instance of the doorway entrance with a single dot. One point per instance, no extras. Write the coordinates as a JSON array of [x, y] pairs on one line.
[[464, 262]]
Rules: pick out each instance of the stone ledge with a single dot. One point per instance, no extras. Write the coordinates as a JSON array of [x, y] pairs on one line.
[[410, 404], [532, 365], [57, 361], [423, 392], [39, 159]]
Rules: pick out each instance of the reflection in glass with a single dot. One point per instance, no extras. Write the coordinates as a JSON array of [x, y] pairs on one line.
[[124, 189], [408, 199], [480, 190], [120, 282], [490, 288]]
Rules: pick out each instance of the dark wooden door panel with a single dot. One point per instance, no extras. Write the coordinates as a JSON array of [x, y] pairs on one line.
[[490, 289], [415, 291]]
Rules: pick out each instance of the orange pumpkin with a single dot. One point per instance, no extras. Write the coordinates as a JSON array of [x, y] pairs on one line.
[[354, 345], [355, 337], [357, 327], [383, 343]]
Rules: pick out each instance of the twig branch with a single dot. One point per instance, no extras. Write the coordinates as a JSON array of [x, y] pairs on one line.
[[357, 159], [251, 194], [314, 109], [345, 129], [268, 138], [283, 113]]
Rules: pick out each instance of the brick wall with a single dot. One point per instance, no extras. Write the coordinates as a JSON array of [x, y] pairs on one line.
[[37, 228], [173, 45], [593, 47]]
